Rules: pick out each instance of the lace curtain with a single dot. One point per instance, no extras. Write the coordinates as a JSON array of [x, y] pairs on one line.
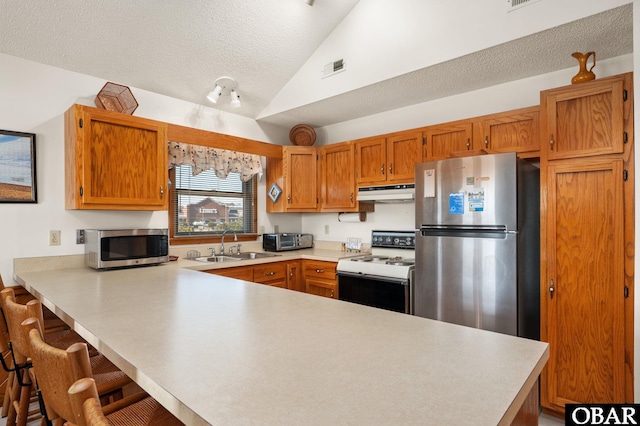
[[222, 161]]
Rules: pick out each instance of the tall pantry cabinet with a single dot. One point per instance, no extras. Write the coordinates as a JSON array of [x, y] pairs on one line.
[[586, 230]]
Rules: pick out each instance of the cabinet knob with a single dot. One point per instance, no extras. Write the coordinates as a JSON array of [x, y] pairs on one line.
[[382, 169], [161, 191], [269, 273], [289, 198], [320, 271], [351, 197], [331, 293], [551, 289], [551, 142], [486, 141], [468, 144], [391, 168]]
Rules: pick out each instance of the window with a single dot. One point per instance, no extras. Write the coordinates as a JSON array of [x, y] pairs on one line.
[[203, 206]]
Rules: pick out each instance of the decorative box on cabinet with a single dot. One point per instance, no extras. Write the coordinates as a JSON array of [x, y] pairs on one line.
[[114, 161]]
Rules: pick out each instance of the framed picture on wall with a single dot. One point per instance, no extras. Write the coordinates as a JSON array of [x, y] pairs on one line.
[[17, 167]]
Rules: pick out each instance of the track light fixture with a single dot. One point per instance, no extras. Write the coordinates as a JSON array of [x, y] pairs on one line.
[[225, 86]]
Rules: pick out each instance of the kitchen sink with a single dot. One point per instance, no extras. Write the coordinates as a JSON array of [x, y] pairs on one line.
[[218, 259], [253, 255]]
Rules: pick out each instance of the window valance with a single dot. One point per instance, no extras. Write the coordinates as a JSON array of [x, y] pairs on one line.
[[222, 161]]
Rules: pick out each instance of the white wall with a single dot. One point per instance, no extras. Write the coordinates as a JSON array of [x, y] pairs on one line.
[[33, 98]]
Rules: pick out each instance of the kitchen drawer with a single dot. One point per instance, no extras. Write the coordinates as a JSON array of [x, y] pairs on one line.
[[270, 272], [320, 269], [241, 272]]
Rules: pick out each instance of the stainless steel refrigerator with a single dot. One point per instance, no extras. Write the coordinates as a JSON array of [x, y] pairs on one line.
[[478, 243]]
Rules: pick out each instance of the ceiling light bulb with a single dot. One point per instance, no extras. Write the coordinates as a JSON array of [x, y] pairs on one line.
[[235, 99], [215, 94]]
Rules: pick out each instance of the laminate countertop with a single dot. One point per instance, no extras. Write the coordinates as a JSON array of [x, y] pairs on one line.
[[215, 350]]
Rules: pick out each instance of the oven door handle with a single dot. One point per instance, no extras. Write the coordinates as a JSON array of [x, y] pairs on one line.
[[402, 281]]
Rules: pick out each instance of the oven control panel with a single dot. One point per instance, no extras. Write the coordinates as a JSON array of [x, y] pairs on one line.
[[393, 239]]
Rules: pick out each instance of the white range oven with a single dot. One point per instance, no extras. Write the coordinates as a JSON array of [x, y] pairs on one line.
[[384, 278]]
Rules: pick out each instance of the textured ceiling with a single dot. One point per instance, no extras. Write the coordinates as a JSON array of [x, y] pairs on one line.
[[178, 49]]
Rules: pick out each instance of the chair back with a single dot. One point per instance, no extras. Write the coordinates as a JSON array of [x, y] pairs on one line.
[[15, 313], [85, 402], [56, 370]]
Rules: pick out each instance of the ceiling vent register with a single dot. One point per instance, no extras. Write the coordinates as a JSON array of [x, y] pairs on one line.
[[333, 68], [517, 4]]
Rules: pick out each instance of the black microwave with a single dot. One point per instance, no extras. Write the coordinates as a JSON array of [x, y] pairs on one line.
[[121, 248], [283, 242]]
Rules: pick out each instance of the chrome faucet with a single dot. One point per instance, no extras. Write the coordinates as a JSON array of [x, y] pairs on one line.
[[235, 238]]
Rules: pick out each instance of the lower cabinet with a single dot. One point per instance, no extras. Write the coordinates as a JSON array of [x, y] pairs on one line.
[[320, 278], [310, 276]]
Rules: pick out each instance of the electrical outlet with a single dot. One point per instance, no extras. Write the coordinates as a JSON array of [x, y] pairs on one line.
[[276, 228], [79, 236], [260, 229], [326, 229], [54, 238]]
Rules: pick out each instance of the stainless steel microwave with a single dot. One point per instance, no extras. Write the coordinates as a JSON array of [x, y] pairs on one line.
[[121, 248], [282, 242]]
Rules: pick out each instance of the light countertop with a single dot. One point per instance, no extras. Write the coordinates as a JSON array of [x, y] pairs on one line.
[[215, 350]]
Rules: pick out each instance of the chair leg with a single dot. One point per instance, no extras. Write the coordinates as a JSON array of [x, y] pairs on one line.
[[7, 394], [25, 400], [12, 412]]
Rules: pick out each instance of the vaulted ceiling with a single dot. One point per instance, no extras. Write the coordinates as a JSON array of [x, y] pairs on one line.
[[179, 49]]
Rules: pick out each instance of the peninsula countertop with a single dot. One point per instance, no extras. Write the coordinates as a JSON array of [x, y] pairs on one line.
[[215, 350]]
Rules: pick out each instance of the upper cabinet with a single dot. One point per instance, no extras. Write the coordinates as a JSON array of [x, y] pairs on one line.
[[337, 177], [389, 159], [296, 174], [584, 120], [114, 161], [512, 131], [443, 139]]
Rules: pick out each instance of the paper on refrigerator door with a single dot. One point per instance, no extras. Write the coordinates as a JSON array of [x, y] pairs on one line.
[[429, 183]]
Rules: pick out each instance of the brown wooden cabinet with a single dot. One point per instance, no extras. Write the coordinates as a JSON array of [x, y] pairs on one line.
[[586, 241], [274, 274], [390, 159], [296, 174], [244, 273], [320, 278], [295, 277], [442, 139], [337, 178], [114, 161], [511, 131]]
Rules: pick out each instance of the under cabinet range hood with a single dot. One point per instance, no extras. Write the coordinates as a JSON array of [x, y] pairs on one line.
[[388, 193]]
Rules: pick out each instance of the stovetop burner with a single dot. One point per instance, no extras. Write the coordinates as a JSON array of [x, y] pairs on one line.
[[371, 258], [400, 262]]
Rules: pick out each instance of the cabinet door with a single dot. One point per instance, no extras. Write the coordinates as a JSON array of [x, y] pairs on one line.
[[295, 279], [584, 119], [322, 288], [338, 177], [301, 176], [371, 161], [244, 273], [512, 131], [443, 139], [271, 274], [403, 152], [582, 291], [115, 161]]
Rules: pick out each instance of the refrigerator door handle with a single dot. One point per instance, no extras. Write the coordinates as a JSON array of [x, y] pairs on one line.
[[499, 231]]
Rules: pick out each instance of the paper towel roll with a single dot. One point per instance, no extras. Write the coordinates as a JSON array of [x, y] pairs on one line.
[[351, 217]]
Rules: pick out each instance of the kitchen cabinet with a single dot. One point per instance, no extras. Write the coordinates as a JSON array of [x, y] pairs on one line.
[[114, 161], [337, 178], [587, 239], [388, 160], [295, 277], [296, 174], [244, 273], [586, 119], [273, 274], [511, 131], [320, 278], [443, 139]]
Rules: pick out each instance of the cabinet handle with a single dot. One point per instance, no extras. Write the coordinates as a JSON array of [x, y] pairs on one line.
[[269, 273], [391, 168], [486, 141], [289, 198], [551, 289], [332, 293], [351, 197], [161, 191], [551, 142], [320, 271], [382, 169], [291, 273], [468, 144]]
